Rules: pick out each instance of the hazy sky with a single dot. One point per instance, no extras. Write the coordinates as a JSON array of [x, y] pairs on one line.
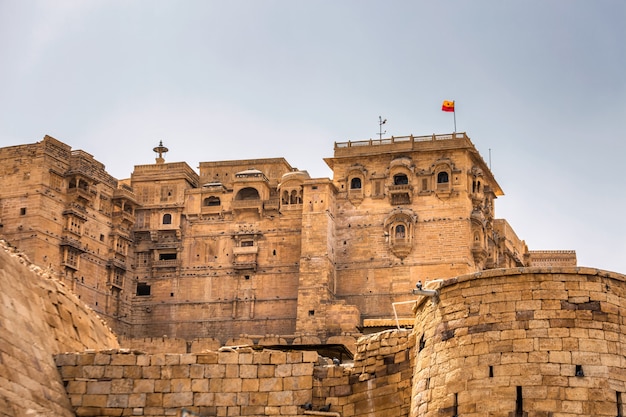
[[539, 84]]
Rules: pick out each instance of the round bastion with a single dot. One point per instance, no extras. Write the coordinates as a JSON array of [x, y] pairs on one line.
[[522, 342]]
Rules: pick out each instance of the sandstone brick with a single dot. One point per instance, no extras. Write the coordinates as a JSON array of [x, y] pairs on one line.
[[196, 371], [143, 360], [76, 387], [266, 371], [98, 387], [252, 410], [172, 359], [225, 399], [231, 385], [114, 372], [180, 385], [199, 385], [298, 383], [203, 398], [178, 399], [250, 385], [133, 372], [233, 411], [228, 358], [151, 372], [270, 384], [214, 371], [302, 369], [162, 385], [280, 398], [246, 358], [102, 359], [278, 358], [122, 386], [92, 372], [117, 401], [94, 400], [283, 370], [124, 359], [137, 400], [231, 371], [144, 386], [154, 399], [258, 398]]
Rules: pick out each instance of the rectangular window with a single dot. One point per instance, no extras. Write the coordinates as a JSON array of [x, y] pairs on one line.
[[71, 258], [55, 181], [143, 258], [167, 256], [143, 289], [23, 211]]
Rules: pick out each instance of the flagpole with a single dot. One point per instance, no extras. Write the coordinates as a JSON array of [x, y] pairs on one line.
[[454, 112]]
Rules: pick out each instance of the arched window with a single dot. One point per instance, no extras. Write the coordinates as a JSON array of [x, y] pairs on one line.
[[247, 193], [400, 231], [167, 219], [212, 201], [400, 179], [355, 183], [442, 178], [295, 197]]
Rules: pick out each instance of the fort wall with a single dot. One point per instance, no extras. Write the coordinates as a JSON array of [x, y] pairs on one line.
[[39, 316], [522, 342], [243, 381]]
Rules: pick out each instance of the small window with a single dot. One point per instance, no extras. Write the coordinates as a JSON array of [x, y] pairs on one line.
[[442, 178], [400, 179], [167, 256], [377, 188], [143, 289], [23, 211], [247, 243], [167, 219], [400, 231], [212, 201], [355, 183], [424, 184]]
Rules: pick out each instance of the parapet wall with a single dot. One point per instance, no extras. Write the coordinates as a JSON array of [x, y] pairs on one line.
[[39, 316], [242, 381], [534, 342]]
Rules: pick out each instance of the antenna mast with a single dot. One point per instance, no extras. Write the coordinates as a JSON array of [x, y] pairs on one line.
[[381, 122]]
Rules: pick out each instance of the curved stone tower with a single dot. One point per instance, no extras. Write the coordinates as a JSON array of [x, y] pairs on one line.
[[522, 342]]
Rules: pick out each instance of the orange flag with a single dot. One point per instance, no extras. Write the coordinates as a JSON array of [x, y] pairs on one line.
[[447, 105]]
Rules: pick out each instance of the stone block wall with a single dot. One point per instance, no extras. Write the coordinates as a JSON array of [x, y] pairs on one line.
[[38, 317], [535, 342], [242, 381], [378, 383]]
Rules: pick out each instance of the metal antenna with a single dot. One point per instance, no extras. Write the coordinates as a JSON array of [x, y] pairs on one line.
[[381, 122]]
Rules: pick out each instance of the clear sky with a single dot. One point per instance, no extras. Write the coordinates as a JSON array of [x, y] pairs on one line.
[[539, 85]]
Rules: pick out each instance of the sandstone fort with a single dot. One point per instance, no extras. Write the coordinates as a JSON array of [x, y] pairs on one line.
[[248, 288]]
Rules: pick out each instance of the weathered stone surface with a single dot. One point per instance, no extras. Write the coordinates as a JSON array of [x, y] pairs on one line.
[[31, 303]]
